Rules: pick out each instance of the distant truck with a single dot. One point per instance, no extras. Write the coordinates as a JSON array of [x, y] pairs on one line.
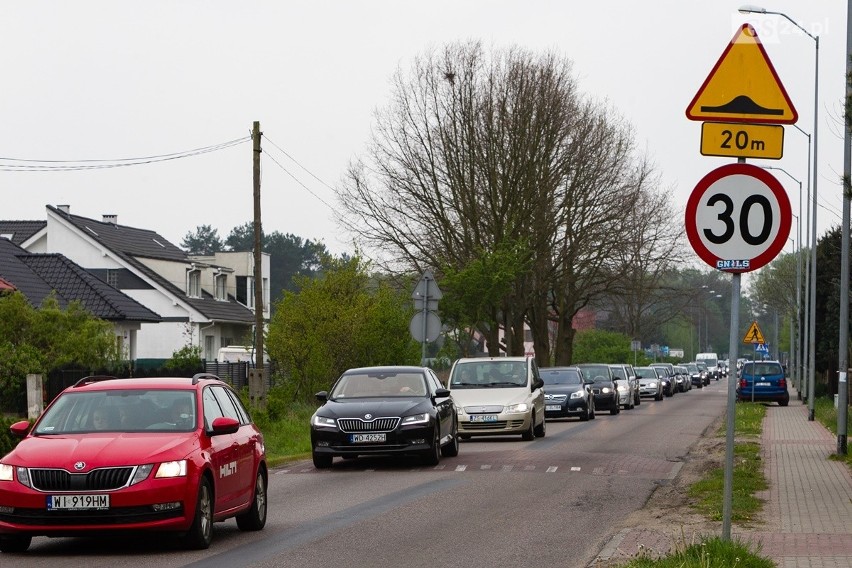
[[712, 362]]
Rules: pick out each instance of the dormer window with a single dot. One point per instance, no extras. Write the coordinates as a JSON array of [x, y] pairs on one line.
[[222, 287], [193, 283]]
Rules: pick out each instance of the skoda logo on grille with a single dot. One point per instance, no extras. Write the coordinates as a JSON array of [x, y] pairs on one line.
[[368, 416], [79, 465], [548, 396]]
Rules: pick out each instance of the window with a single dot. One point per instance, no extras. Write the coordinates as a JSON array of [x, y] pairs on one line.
[[112, 277], [193, 283], [209, 352], [221, 286], [265, 292], [242, 290]]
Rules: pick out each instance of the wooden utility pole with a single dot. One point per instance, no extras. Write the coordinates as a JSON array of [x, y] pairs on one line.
[[259, 375]]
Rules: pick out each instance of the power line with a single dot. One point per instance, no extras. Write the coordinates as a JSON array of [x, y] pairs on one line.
[[297, 180], [32, 165]]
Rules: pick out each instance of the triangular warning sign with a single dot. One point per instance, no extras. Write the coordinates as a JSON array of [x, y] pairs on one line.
[[753, 335], [743, 86]]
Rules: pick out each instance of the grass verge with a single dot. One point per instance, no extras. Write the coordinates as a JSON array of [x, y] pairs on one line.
[[710, 553], [708, 493], [825, 412], [748, 475]]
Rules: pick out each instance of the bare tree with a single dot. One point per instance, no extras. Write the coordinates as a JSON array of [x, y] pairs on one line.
[[644, 295], [480, 153]]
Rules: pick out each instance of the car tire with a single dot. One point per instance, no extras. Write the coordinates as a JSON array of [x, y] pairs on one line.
[[659, 396], [200, 534], [15, 543], [529, 433], [784, 401], [541, 429], [433, 455], [586, 415], [615, 409], [322, 461], [592, 406], [255, 518], [451, 449]]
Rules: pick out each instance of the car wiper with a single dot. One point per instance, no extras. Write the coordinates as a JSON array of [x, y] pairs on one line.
[[506, 383]]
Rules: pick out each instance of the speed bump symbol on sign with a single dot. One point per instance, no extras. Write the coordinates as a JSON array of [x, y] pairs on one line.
[[743, 86]]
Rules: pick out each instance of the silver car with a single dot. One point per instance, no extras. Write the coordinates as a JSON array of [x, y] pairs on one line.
[[650, 382], [498, 396]]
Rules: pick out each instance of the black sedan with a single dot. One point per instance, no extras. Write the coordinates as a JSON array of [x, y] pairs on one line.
[[603, 387], [385, 410], [566, 394]]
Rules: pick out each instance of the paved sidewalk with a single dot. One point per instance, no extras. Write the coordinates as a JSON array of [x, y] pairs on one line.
[[808, 510]]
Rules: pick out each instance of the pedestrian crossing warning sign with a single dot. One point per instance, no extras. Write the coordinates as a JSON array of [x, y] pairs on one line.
[[753, 335], [743, 86]]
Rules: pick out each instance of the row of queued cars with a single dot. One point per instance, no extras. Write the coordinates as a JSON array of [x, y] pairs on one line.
[[409, 411]]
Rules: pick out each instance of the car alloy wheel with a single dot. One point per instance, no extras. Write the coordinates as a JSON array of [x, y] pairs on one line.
[[541, 429], [255, 518], [322, 461], [201, 532], [451, 449], [529, 433], [433, 455]]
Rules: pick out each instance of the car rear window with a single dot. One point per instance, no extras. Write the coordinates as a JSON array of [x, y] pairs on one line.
[[763, 369]]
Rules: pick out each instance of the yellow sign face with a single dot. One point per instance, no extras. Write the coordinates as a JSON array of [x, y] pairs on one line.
[[743, 87], [742, 140], [753, 335]]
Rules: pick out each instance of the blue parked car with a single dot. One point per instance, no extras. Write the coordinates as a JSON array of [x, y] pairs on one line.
[[763, 381]]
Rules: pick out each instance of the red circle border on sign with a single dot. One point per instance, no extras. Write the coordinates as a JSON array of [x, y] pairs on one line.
[[747, 170]]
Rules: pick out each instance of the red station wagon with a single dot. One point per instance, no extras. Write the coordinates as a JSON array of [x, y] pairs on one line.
[[158, 454]]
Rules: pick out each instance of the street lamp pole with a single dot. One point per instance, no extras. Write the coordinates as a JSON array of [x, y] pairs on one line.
[[797, 375], [812, 299]]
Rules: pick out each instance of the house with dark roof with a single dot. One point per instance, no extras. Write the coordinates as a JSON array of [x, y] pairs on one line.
[[37, 276], [204, 301]]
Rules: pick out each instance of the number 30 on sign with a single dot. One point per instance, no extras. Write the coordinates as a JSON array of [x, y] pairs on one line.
[[738, 218]]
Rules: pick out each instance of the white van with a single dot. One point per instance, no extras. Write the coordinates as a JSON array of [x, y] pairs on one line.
[[238, 354], [712, 362]]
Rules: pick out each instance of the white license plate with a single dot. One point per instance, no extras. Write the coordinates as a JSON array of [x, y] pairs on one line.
[[368, 438], [553, 407], [763, 384], [77, 502], [483, 418]]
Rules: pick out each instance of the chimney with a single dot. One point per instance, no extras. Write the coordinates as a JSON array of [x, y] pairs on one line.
[[64, 208], [110, 218]]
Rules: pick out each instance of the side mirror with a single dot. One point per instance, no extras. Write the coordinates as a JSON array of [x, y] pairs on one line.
[[20, 429], [322, 396], [441, 393], [537, 383], [224, 425]]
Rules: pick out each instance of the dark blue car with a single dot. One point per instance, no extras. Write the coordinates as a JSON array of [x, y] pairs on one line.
[[763, 381]]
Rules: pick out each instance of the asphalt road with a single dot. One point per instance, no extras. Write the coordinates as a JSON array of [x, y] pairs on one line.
[[554, 501]]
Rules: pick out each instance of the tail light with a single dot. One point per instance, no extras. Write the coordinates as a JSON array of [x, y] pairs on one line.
[[743, 383], [782, 383]]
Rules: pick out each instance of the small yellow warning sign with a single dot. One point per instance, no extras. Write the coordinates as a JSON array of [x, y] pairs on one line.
[[753, 335], [743, 86]]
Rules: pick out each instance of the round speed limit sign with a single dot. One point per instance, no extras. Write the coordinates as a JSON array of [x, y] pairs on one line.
[[738, 218]]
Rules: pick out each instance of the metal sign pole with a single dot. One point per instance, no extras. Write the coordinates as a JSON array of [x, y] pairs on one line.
[[733, 339]]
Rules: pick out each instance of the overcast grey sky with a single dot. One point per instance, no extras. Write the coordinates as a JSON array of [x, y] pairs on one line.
[[88, 80]]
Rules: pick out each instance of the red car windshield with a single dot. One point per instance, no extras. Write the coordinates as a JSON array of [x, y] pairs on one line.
[[119, 411]]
